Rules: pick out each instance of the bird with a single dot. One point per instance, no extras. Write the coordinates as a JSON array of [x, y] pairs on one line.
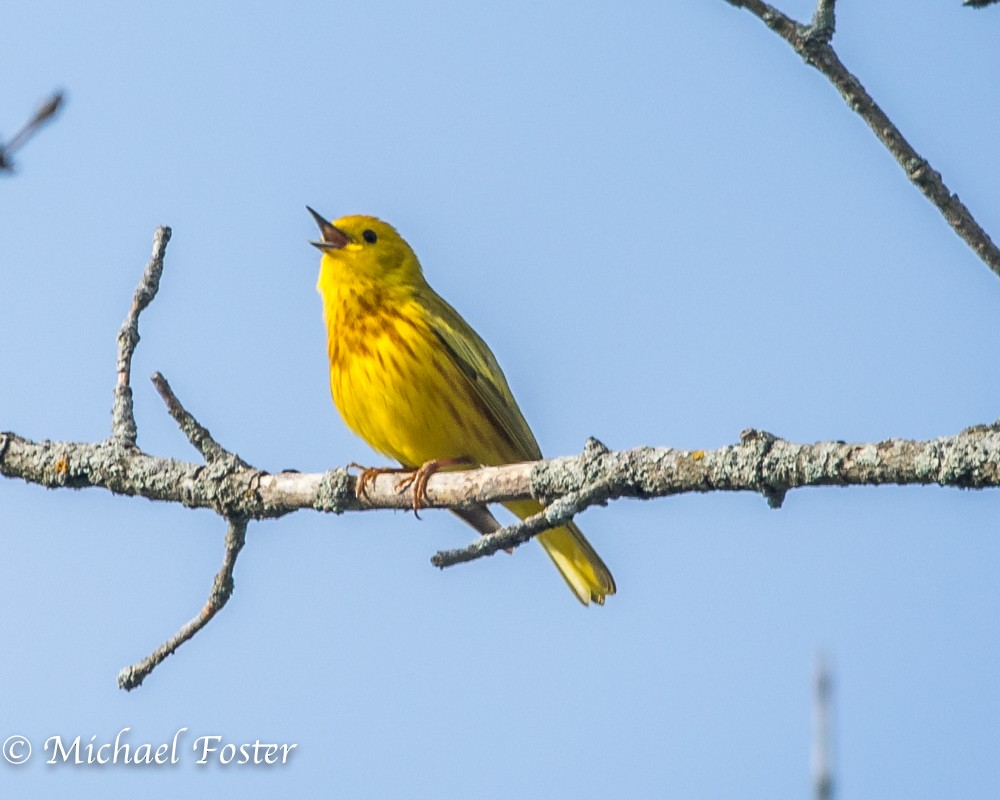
[[412, 378]]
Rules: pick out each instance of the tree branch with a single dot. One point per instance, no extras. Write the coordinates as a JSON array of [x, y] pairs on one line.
[[46, 111], [812, 42], [759, 462], [199, 436], [822, 767], [222, 589], [122, 415]]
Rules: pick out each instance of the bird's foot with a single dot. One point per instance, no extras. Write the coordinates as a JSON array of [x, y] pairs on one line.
[[368, 476], [418, 478]]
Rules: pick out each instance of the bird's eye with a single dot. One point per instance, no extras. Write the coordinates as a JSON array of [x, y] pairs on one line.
[[369, 236]]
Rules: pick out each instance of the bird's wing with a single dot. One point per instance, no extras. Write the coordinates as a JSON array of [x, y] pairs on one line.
[[484, 378]]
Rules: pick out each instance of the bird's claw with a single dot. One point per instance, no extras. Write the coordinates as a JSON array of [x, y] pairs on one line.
[[368, 476], [418, 478], [415, 478]]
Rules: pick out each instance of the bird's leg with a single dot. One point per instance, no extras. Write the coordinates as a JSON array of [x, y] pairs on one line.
[[418, 478]]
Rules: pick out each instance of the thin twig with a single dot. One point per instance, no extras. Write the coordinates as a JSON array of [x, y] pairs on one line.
[[222, 589], [45, 112], [123, 428], [199, 436], [557, 513], [813, 44]]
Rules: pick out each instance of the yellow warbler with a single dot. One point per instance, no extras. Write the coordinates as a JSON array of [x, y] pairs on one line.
[[419, 385]]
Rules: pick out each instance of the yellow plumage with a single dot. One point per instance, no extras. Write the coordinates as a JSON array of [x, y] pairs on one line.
[[418, 384]]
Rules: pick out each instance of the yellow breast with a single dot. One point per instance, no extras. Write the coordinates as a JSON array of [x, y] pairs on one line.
[[393, 384]]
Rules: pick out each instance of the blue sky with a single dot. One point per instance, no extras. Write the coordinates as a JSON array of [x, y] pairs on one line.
[[669, 230]]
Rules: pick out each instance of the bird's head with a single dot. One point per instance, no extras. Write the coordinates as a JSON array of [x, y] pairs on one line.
[[366, 247]]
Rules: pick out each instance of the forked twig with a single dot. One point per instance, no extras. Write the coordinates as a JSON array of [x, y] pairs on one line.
[[222, 589]]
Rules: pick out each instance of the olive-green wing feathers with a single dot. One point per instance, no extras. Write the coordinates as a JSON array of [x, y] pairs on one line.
[[484, 378]]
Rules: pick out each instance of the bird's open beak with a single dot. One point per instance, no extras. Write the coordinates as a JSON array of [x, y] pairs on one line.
[[333, 237]]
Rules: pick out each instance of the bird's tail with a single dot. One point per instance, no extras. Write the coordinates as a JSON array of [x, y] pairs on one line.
[[578, 562]]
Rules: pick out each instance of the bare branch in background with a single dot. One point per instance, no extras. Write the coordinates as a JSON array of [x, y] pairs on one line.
[[46, 111], [822, 760], [812, 42]]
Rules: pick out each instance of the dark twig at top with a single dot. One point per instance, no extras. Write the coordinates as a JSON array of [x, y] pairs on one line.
[[812, 42], [46, 111]]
